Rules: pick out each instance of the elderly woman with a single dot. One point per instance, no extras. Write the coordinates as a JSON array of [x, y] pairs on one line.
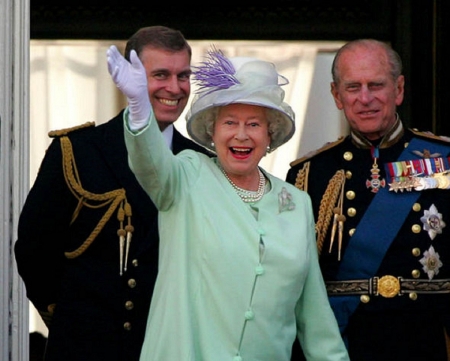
[[238, 272]]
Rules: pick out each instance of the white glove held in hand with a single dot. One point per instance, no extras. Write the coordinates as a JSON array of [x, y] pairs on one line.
[[131, 79]]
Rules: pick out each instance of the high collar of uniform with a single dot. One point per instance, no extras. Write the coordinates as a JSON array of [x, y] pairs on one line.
[[390, 138]]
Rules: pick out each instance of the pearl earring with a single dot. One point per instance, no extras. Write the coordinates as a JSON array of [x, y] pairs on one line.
[[212, 145], [268, 149]]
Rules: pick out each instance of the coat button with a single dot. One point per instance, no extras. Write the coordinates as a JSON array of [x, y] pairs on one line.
[[350, 195], [415, 273], [249, 315], [416, 207], [348, 156], [351, 212], [416, 252], [127, 326], [131, 283], [365, 298], [129, 305]]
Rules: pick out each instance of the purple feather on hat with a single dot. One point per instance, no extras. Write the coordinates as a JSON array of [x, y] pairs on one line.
[[215, 73]]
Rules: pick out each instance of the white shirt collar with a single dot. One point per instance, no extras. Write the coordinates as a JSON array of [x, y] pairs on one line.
[[168, 135]]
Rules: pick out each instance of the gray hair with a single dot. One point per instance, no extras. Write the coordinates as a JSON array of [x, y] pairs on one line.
[[394, 60], [275, 121]]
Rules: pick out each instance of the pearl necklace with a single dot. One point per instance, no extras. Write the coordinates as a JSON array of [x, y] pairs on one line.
[[246, 195]]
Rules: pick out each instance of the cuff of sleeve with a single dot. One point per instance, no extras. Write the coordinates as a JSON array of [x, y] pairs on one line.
[[136, 126]]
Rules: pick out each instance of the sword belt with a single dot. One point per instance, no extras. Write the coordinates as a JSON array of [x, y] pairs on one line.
[[387, 286]]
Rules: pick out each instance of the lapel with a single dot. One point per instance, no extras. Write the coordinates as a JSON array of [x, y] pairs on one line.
[[111, 143]]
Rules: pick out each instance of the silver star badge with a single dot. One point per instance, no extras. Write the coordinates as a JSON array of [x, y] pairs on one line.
[[431, 262], [432, 222]]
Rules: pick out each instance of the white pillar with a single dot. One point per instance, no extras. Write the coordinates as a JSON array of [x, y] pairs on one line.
[[14, 178]]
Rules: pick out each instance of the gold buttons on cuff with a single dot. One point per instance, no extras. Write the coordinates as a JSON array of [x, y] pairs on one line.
[[413, 296], [416, 252], [365, 298], [416, 228], [348, 156], [348, 174], [129, 305], [127, 326], [135, 263], [131, 283], [415, 273], [350, 232], [350, 195], [416, 207], [351, 212]]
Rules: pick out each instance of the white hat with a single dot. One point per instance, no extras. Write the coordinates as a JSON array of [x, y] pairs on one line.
[[241, 80]]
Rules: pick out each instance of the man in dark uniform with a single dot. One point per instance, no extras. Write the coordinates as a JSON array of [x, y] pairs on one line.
[[381, 198], [87, 245]]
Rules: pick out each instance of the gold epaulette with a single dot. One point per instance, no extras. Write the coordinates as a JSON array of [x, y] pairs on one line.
[[317, 151], [65, 131], [430, 135]]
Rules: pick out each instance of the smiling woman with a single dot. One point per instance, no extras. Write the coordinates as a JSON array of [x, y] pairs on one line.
[[242, 258]]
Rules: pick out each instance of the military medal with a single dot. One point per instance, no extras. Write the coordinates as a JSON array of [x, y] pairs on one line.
[[375, 182], [419, 174]]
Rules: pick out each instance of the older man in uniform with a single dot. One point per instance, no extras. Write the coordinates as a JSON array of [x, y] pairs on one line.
[[381, 198]]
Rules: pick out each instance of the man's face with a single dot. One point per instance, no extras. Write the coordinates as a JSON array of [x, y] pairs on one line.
[[366, 91], [169, 87]]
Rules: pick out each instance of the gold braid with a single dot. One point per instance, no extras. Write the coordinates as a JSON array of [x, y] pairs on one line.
[[301, 182], [113, 198], [327, 203]]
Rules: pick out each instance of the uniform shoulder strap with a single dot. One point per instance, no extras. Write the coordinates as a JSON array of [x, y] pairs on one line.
[[65, 131], [309, 155]]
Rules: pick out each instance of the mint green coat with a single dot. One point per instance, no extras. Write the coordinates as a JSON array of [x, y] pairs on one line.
[[236, 281]]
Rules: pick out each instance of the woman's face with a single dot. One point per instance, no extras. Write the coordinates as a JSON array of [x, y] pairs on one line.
[[241, 137]]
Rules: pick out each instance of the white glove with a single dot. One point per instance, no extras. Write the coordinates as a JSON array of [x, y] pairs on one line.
[[131, 79]]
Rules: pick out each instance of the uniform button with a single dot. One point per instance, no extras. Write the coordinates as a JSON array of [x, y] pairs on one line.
[[416, 207], [249, 315], [351, 212], [261, 232], [350, 195], [415, 273], [259, 270], [348, 175], [127, 326], [348, 156], [350, 232], [416, 252], [413, 296], [131, 283], [365, 298], [129, 305], [416, 228], [135, 263]]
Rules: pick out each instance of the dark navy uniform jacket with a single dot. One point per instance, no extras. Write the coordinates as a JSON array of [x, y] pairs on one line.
[[99, 314], [403, 327]]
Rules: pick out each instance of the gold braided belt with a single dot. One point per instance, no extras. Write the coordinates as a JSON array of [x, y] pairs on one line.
[[387, 286]]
